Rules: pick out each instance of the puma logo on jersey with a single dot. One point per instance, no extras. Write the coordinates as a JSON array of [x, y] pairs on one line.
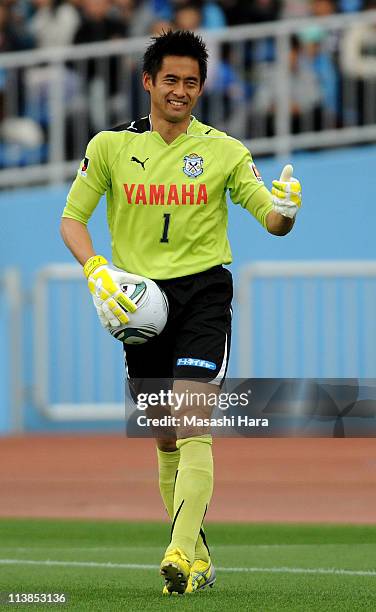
[[162, 195], [138, 161]]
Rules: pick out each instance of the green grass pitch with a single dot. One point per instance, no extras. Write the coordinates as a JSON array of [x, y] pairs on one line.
[[114, 566]]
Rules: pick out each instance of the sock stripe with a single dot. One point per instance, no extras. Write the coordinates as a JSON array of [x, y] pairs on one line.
[[202, 534], [173, 490], [175, 517]]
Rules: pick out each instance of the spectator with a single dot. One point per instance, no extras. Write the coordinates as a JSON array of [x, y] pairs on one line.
[[159, 26], [293, 9], [10, 38], [264, 10], [97, 23], [350, 6], [162, 8], [104, 75], [306, 95], [325, 8], [239, 12], [124, 10], [358, 52], [54, 23], [213, 16], [358, 63], [315, 56], [188, 15], [144, 16], [322, 8]]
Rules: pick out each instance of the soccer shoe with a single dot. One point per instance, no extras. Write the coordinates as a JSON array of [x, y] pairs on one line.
[[175, 569], [202, 575]]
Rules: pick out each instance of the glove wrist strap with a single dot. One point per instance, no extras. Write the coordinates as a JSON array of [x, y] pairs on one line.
[[93, 263]]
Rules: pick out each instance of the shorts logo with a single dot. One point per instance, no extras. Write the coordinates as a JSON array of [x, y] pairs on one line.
[[197, 363], [256, 172], [85, 166], [193, 165]]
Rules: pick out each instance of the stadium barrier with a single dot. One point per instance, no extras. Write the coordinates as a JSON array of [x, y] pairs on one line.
[[12, 393], [296, 319], [314, 319], [55, 99], [307, 319], [71, 350]]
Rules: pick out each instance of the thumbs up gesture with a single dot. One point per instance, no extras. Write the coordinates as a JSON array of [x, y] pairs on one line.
[[287, 193]]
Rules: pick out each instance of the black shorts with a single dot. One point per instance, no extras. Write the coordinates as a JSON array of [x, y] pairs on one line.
[[195, 344]]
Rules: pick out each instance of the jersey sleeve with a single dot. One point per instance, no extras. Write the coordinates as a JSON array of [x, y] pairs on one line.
[[244, 181], [91, 182]]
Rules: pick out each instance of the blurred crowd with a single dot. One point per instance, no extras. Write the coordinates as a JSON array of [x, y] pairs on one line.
[[26, 24], [322, 64]]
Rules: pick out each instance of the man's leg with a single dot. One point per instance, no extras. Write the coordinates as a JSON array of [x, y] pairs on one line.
[[168, 463], [193, 487]]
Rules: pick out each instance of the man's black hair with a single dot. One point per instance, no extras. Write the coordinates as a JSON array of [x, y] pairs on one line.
[[182, 43]]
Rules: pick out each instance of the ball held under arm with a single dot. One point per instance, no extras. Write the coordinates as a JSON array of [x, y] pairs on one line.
[[105, 285]]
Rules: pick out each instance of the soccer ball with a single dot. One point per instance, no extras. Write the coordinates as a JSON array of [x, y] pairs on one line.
[[150, 317]]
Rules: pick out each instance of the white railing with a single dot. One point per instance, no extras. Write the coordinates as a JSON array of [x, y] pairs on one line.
[[314, 319], [78, 370], [72, 92], [12, 343]]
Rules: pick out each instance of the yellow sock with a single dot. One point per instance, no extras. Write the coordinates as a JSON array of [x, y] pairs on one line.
[[202, 551], [193, 491], [168, 466]]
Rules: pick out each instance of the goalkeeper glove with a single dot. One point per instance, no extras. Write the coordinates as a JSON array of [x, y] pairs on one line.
[[287, 194], [111, 303]]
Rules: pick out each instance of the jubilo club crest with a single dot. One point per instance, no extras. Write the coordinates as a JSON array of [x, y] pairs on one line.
[[193, 165]]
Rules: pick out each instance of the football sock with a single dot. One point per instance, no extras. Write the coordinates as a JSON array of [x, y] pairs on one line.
[[168, 467], [168, 463], [193, 491]]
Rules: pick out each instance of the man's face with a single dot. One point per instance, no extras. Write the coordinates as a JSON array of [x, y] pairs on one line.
[[176, 88]]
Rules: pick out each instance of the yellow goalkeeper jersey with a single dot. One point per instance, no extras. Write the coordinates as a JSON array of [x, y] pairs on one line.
[[166, 204]]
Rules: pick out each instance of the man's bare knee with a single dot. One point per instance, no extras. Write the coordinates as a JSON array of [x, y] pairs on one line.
[[196, 410], [167, 445]]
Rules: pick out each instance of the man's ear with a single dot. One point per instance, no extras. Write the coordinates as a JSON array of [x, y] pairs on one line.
[[146, 81]]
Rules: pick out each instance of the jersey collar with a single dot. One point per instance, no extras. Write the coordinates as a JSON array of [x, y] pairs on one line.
[[159, 137]]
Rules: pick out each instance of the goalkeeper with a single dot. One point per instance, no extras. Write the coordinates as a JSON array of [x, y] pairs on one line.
[[166, 177]]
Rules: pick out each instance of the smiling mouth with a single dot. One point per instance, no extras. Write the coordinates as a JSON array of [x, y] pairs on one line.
[[177, 103]]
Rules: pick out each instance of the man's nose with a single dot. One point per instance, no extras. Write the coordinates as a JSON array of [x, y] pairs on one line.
[[179, 89]]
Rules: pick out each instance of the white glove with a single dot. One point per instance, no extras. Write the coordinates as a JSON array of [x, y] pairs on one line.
[[287, 193], [105, 284], [98, 303]]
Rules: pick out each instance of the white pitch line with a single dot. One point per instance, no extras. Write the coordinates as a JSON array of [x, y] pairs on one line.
[[271, 570], [78, 564]]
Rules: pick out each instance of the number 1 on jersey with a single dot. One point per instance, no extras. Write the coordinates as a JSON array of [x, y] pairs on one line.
[[166, 225]]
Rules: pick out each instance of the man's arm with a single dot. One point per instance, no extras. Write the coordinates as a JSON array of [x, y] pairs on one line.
[[77, 238], [275, 210], [111, 304], [278, 224]]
